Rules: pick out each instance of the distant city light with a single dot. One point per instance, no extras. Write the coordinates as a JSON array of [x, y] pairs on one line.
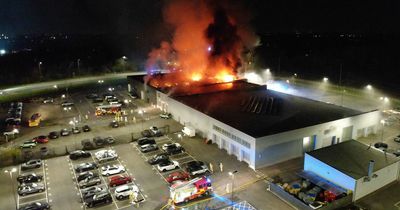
[[124, 57], [3, 52], [369, 87], [267, 70], [295, 74], [325, 79]]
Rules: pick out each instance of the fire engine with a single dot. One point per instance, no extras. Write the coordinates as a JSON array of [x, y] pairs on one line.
[[108, 109], [35, 120], [188, 190]]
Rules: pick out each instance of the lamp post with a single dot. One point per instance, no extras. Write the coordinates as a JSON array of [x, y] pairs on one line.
[[383, 126], [40, 69], [232, 174], [10, 172]]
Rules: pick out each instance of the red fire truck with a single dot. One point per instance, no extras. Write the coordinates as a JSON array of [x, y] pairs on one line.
[[108, 109], [188, 190]]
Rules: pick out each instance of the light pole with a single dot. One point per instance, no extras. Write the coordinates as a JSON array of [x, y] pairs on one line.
[[383, 126], [10, 172], [40, 69], [232, 174]]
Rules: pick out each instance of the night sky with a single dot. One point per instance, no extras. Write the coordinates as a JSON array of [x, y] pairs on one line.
[[133, 16]]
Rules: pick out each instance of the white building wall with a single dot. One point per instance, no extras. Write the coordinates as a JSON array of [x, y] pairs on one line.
[[385, 176], [331, 174], [204, 128]]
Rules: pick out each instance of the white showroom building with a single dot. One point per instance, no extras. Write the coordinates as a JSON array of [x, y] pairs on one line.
[[354, 166], [259, 126]]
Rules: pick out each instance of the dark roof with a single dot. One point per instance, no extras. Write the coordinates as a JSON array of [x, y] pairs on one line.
[[352, 158], [259, 112]]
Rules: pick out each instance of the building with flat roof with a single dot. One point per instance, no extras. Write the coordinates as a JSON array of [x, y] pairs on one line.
[[357, 167], [259, 126]]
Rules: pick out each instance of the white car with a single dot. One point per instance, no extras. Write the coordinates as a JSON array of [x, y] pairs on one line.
[[124, 191], [168, 165], [165, 115], [166, 146], [112, 169], [106, 155]]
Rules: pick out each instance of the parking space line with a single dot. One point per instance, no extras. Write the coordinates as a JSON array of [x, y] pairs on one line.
[[44, 179], [32, 201]]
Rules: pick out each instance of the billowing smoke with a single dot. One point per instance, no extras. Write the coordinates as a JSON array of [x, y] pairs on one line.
[[208, 42]]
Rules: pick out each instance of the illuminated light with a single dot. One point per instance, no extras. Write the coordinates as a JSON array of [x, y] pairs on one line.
[[55, 86], [381, 98], [209, 48], [3, 52], [369, 87], [295, 74], [228, 78], [325, 79], [268, 71], [196, 77], [287, 81], [386, 99]]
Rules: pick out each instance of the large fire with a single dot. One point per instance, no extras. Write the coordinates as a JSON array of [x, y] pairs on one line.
[[206, 47]]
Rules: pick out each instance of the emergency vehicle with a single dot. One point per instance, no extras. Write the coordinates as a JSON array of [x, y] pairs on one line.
[[35, 120], [108, 109], [188, 190]]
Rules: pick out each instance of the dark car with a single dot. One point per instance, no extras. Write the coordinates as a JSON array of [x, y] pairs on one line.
[[97, 100], [99, 141], [85, 167], [89, 181], [114, 124], [90, 193], [64, 132], [156, 159], [53, 135], [29, 178], [75, 130], [30, 188], [147, 133], [38, 205], [144, 141], [79, 154], [195, 168], [86, 128], [36, 163], [98, 199], [92, 190], [173, 149], [92, 96], [381, 146], [85, 175]]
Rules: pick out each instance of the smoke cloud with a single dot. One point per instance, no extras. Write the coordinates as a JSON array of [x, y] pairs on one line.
[[207, 44]]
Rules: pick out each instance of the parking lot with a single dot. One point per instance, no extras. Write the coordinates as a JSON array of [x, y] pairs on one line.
[[62, 190]]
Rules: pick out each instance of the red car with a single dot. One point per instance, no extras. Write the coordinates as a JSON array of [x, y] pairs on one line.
[[41, 139], [178, 175], [119, 180]]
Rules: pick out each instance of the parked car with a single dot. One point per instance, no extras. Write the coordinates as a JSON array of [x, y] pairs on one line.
[[381, 146], [48, 100], [105, 155], [67, 104], [29, 178], [77, 154], [168, 165], [397, 139], [97, 100], [166, 146], [165, 115], [90, 191], [156, 159], [177, 176], [28, 144], [155, 131], [86, 128], [53, 135], [86, 175], [30, 188], [85, 167], [64, 132], [124, 191], [92, 96], [148, 148], [88, 182], [112, 170], [114, 124], [100, 141], [119, 180], [98, 199], [147, 133], [196, 168], [35, 163], [37, 205], [75, 130], [41, 139], [173, 149], [143, 141]]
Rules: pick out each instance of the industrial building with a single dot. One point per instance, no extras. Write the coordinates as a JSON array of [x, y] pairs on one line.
[[354, 166], [259, 126]]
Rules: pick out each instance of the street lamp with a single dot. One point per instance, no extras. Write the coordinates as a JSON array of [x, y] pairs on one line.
[[232, 174], [369, 87], [10, 172], [40, 69], [325, 79]]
